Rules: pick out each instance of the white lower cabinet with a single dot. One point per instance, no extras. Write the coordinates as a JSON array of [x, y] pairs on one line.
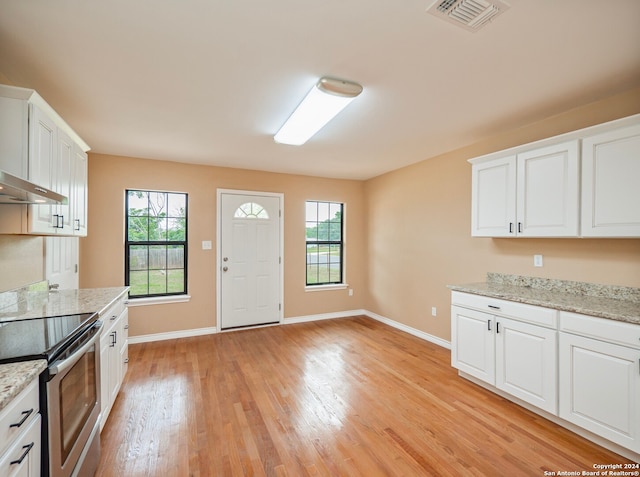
[[515, 356], [20, 425], [583, 369], [526, 363], [113, 352], [473, 343], [600, 379]]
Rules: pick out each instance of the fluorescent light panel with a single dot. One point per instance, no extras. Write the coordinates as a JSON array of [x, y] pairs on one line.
[[325, 100]]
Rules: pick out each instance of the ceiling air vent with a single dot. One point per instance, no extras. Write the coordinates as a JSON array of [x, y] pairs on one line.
[[468, 14]]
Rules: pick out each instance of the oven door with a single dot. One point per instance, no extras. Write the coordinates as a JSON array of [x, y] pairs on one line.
[[73, 405]]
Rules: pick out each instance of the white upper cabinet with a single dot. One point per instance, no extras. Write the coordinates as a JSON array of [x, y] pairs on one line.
[[493, 212], [611, 183], [36, 144], [579, 184], [531, 194], [548, 191], [14, 136], [43, 156]]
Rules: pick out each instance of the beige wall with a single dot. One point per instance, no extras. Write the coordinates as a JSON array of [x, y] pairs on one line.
[[419, 241], [101, 253], [21, 260]]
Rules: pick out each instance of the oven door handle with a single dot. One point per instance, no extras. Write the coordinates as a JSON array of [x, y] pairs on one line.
[[62, 365]]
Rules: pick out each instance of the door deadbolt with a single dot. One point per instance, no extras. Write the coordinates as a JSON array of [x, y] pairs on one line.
[[225, 259]]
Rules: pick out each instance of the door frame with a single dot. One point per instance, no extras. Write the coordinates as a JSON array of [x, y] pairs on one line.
[[219, 193]]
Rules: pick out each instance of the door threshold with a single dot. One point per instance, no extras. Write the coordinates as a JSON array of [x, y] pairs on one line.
[[249, 327]]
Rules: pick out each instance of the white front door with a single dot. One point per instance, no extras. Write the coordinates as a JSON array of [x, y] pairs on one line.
[[249, 259]]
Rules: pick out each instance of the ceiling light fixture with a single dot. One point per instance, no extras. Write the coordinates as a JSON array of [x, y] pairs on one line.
[[326, 99]]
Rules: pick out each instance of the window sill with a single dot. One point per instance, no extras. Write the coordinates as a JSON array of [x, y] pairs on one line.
[[337, 286], [158, 300]]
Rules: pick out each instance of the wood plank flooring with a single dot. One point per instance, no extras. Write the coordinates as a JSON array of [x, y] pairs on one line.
[[344, 397]]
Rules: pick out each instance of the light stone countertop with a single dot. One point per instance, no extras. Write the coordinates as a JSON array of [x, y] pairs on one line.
[[604, 301], [14, 377], [36, 304]]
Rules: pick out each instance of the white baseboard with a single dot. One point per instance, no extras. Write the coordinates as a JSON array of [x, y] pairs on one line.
[[323, 316], [410, 330], [170, 335], [375, 316], [298, 319]]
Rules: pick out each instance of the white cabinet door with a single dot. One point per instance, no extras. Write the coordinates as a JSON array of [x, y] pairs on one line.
[[113, 354], [105, 392], [493, 203], [79, 192], [42, 161], [61, 181], [14, 136], [610, 184], [124, 344], [600, 388], [548, 191], [23, 458], [109, 371], [526, 364], [473, 343]]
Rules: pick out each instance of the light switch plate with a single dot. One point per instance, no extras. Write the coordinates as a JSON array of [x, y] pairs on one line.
[[206, 245]]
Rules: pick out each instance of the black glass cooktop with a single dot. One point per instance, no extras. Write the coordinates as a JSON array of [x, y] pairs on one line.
[[41, 338]]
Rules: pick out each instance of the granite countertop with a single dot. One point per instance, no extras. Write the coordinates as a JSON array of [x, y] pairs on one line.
[[14, 377], [604, 301], [24, 304]]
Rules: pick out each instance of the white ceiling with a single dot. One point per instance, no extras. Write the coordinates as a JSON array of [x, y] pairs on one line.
[[211, 81]]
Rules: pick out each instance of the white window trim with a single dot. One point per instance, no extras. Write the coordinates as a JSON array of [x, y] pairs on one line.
[[332, 286], [158, 300]]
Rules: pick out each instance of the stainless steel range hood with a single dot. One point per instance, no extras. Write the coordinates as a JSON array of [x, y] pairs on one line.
[[14, 190]]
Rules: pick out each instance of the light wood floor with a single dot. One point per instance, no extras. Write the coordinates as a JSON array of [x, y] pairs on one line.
[[344, 397]]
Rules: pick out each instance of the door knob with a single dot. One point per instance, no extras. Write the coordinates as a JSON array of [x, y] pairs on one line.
[[224, 269]]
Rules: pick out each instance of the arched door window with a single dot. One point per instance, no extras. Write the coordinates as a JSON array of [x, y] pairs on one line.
[[251, 210]]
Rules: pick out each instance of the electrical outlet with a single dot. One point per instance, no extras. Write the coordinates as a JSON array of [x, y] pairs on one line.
[[433, 311], [537, 260], [350, 291]]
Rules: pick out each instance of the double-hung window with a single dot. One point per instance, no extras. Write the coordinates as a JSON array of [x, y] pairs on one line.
[[156, 243], [325, 243]]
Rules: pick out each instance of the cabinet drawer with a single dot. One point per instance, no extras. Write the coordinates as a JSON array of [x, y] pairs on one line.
[[22, 457], [518, 311], [626, 334], [111, 314], [18, 414]]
